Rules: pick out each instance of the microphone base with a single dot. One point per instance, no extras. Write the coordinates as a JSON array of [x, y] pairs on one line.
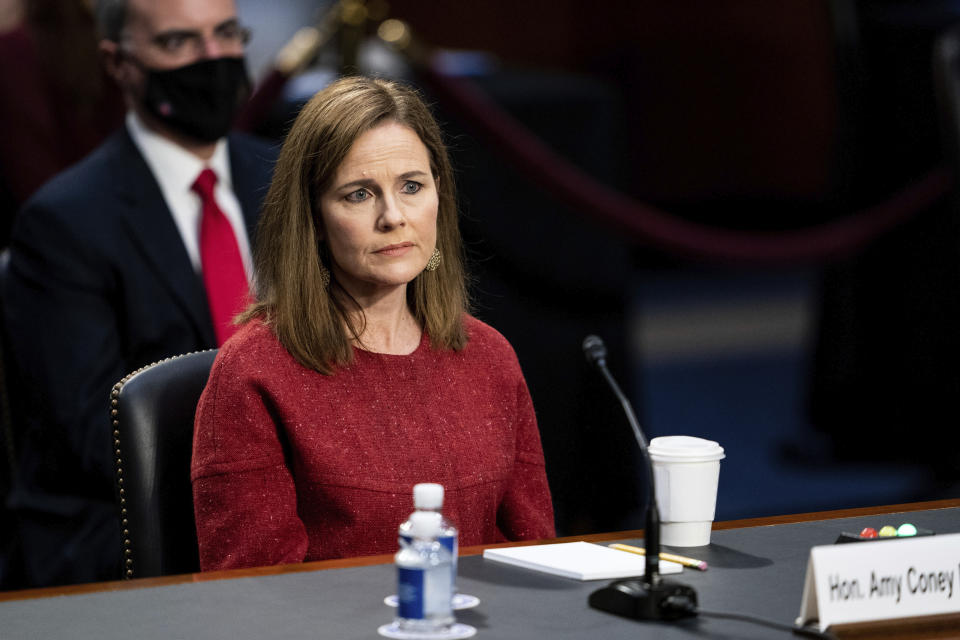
[[632, 598]]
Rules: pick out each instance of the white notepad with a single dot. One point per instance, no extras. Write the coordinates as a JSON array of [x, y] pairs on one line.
[[577, 560]]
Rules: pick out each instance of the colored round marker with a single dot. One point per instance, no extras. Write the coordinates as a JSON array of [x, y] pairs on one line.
[[887, 532], [906, 530], [868, 532]]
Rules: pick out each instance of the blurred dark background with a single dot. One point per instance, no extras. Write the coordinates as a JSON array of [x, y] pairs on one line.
[[831, 380]]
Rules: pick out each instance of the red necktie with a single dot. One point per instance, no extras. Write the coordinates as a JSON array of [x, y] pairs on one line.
[[223, 273]]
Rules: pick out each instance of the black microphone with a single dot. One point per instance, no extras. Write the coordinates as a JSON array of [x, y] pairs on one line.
[[650, 598], [595, 351]]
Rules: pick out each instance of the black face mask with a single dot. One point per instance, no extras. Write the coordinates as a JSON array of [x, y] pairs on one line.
[[198, 100]]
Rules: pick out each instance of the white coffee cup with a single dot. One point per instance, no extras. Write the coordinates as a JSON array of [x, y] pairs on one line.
[[686, 471]]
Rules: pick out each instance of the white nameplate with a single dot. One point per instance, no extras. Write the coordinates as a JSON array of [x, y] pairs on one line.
[[882, 580]]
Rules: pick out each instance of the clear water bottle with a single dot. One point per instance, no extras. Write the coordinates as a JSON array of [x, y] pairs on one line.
[[428, 498], [424, 579]]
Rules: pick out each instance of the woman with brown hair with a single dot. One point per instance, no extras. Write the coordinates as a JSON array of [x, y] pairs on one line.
[[357, 372]]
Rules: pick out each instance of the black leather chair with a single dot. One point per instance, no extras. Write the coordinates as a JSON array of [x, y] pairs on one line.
[[152, 411]]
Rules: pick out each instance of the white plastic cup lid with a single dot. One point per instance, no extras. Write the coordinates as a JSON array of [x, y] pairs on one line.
[[685, 449], [428, 495]]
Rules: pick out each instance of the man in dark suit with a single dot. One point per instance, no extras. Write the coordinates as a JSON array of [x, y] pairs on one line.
[[139, 252]]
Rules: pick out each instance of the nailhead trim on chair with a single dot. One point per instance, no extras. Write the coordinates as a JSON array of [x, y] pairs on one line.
[[128, 572]]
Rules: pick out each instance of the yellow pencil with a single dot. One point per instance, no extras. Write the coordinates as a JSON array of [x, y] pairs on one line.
[[640, 551]]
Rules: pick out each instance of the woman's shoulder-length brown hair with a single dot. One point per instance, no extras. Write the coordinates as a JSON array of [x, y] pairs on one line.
[[316, 323]]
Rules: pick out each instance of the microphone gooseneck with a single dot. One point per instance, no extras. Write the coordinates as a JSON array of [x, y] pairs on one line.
[[653, 598], [596, 353]]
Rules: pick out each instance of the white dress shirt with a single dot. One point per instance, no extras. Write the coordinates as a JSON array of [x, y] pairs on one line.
[[175, 170]]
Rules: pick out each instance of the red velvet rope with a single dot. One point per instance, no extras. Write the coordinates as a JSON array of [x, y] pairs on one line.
[[644, 223]]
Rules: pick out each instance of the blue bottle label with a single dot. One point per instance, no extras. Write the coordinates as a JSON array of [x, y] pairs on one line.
[[450, 542], [410, 593]]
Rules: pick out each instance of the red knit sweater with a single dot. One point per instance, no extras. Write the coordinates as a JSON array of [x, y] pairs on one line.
[[291, 465]]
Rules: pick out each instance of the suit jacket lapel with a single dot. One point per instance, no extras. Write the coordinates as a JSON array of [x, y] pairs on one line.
[[148, 221]]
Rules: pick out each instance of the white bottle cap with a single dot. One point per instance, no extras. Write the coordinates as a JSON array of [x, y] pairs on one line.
[[425, 524], [428, 495]]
